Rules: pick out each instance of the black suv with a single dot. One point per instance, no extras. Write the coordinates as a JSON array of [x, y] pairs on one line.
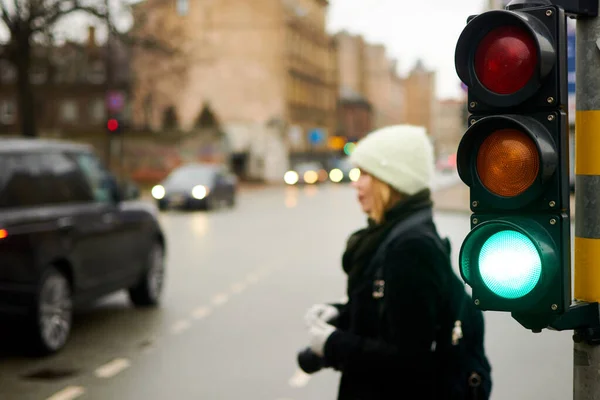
[[69, 235]]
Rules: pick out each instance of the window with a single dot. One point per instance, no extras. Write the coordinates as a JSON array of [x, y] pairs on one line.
[[97, 73], [38, 179], [183, 7], [97, 177], [64, 180], [8, 112], [97, 110], [38, 75], [69, 111], [8, 73]]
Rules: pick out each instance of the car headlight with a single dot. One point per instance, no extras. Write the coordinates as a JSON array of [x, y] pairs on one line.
[[354, 174], [199, 192], [291, 177], [158, 192], [336, 175], [311, 177]]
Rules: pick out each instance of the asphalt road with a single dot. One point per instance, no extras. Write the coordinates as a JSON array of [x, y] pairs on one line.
[[239, 282]]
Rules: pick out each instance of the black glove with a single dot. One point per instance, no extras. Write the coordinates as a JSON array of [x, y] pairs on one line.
[[310, 362]]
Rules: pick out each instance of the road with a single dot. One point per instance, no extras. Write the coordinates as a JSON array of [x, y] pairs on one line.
[[239, 282]]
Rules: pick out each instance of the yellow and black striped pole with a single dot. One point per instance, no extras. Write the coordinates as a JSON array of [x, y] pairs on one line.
[[586, 372]]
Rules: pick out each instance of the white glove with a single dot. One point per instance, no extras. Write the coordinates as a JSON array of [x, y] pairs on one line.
[[318, 334], [324, 312]]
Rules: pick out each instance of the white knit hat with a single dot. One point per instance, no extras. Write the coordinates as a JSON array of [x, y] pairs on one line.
[[399, 155]]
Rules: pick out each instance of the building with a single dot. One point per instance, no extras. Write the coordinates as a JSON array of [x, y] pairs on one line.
[[267, 70], [70, 84], [449, 125], [420, 97], [355, 115], [365, 70]]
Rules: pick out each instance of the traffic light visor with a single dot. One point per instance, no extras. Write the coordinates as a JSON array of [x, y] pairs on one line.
[[508, 162], [509, 264], [506, 59]]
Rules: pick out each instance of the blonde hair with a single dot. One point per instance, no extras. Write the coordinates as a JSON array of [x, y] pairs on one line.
[[384, 198]]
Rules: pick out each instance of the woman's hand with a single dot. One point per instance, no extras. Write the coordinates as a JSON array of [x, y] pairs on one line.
[[318, 334], [323, 312]]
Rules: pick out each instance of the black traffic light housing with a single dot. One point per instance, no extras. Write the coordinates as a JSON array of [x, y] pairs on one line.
[[533, 105]]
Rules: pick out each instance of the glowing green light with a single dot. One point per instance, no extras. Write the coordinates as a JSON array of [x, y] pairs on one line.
[[349, 148], [510, 264]]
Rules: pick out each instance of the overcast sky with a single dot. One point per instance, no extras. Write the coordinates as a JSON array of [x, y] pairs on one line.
[[425, 29]]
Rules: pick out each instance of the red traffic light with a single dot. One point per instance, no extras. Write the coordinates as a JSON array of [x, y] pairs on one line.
[[112, 124], [506, 59]]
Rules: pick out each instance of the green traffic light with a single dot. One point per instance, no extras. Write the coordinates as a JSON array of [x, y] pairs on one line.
[[510, 264], [349, 148]]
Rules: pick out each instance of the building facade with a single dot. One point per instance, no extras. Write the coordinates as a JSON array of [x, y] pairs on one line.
[[449, 125], [365, 70], [421, 102], [266, 69], [70, 85]]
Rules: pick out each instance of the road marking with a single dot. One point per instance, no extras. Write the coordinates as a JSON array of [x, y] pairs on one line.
[[300, 379], [180, 326], [68, 393], [220, 299], [238, 288], [112, 368], [201, 312]]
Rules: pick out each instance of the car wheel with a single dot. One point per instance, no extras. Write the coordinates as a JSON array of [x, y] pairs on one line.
[[149, 289], [232, 201], [162, 206], [53, 315]]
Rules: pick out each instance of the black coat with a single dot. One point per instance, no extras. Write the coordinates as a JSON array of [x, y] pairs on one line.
[[392, 359]]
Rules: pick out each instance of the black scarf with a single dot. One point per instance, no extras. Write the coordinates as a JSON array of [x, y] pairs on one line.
[[362, 244]]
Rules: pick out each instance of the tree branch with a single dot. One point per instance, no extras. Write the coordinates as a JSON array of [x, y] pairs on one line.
[[5, 14]]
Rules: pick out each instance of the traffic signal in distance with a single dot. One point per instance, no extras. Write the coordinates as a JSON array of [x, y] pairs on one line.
[[113, 125], [514, 158]]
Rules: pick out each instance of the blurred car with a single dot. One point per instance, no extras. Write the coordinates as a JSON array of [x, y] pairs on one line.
[[70, 234], [310, 173], [342, 170], [196, 186]]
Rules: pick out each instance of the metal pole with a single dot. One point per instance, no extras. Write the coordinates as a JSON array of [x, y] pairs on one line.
[[109, 81], [586, 361]]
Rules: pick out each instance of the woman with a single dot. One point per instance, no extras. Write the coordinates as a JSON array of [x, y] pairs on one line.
[[392, 353]]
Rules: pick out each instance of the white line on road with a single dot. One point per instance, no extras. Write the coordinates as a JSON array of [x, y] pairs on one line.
[[68, 393], [112, 368], [300, 379], [220, 299], [180, 326], [238, 288], [201, 312]]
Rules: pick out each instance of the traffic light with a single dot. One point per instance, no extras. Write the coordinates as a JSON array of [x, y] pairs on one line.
[[514, 158], [113, 126]]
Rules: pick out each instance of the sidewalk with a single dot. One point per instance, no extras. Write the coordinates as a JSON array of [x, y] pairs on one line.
[[456, 199]]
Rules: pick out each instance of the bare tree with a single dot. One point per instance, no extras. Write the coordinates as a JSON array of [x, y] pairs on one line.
[[28, 21]]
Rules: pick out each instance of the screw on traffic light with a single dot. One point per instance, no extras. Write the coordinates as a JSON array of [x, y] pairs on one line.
[[514, 158]]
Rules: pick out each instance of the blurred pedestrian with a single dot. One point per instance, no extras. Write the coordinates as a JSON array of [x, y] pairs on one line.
[[408, 330]]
